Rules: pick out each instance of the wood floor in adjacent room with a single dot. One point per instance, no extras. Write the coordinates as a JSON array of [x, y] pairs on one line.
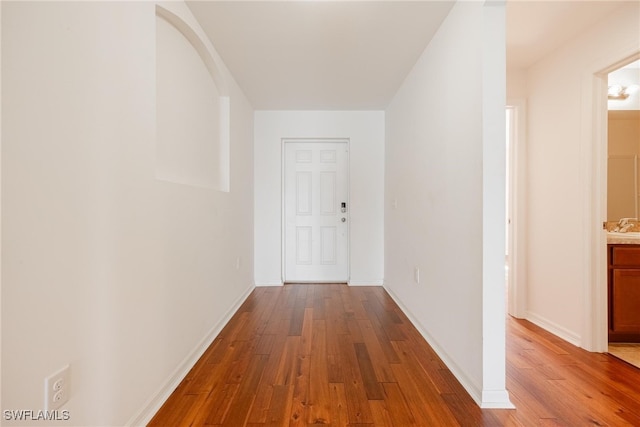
[[318, 355]]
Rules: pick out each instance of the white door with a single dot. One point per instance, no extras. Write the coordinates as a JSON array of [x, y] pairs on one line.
[[316, 206]]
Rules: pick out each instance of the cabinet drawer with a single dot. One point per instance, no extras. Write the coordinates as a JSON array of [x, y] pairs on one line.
[[625, 256]]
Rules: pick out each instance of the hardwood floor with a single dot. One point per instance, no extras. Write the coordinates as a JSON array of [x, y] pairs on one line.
[[312, 355]]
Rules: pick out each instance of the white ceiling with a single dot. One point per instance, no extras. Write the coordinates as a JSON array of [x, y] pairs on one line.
[[354, 55], [315, 55]]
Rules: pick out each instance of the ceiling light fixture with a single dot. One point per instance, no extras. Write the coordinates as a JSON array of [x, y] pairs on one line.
[[619, 92]]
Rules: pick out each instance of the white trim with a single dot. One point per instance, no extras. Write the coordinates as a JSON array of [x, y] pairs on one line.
[[554, 328], [373, 282], [593, 172], [498, 399], [593, 249], [151, 407], [269, 283], [517, 304]]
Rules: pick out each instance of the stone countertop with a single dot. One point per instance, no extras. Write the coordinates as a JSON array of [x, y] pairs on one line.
[[632, 238]]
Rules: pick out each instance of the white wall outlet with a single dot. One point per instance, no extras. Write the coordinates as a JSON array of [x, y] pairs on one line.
[[416, 274], [238, 263], [56, 389]]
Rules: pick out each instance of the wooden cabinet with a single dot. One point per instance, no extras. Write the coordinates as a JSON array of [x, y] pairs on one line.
[[624, 293]]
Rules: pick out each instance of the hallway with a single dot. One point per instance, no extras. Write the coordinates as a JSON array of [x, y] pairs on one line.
[[339, 355]]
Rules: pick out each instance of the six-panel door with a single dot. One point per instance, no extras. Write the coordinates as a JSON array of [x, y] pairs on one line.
[[316, 217]]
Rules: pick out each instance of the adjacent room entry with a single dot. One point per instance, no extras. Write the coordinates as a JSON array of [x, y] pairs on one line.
[[316, 211]]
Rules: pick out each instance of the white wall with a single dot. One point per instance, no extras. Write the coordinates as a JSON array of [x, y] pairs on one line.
[[558, 190], [104, 267], [444, 197], [365, 131], [516, 83]]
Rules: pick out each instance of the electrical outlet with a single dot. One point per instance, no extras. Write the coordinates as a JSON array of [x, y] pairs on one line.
[[238, 263], [56, 389], [416, 274]]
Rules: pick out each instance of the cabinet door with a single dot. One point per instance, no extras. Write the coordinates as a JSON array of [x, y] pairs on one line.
[[625, 294], [625, 256]]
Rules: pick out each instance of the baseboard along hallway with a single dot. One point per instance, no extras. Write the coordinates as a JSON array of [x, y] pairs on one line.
[[310, 355]]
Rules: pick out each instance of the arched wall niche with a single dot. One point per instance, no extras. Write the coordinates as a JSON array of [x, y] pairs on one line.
[[192, 108]]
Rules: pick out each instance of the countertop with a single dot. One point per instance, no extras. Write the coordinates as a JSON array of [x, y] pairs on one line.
[[632, 238]]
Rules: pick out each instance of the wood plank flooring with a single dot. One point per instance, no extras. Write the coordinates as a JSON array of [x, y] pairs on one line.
[[318, 355]]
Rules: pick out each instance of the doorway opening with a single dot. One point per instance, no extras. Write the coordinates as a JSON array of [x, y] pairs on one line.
[[507, 233], [595, 316], [622, 201], [515, 198]]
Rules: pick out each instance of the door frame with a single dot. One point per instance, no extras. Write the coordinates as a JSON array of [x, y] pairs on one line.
[[517, 249], [593, 161], [284, 141]]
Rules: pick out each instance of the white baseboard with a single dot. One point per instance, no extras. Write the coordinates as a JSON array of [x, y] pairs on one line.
[[151, 407], [376, 282], [468, 385], [554, 328], [484, 399], [268, 283], [498, 399]]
